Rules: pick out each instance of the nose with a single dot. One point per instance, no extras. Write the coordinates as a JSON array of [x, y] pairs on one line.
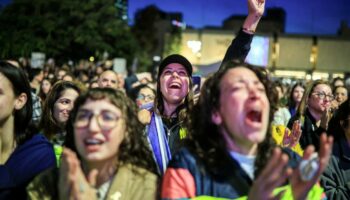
[[253, 91], [175, 74], [93, 124]]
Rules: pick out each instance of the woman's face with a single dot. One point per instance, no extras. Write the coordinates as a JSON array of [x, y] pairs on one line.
[[341, 95], [99, 129], [243, 114], [146, 95], [63, 105], [174, 83], [7, 99], [298, 94], [46, 86], [320, 98]]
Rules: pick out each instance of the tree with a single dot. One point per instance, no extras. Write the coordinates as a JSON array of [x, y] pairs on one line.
[[155, 33], [65, 29]]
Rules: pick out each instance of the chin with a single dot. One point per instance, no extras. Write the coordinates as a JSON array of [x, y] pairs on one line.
[[93, 158], [177, 100], [257, 137]]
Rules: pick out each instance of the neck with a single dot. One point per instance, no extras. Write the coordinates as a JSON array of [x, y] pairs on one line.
[[106, 170], [234, 144], [7, 139], [316, 115], [296, 106], [169, 109]]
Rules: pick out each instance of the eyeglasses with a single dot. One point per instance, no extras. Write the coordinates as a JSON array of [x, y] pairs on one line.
[[322, 95], [106, 120], [145, 97]]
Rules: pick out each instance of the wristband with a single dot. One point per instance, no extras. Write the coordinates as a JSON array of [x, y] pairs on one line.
[[248, 30]]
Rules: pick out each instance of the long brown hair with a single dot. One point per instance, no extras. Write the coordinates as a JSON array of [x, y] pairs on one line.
[[307, 94], [48, 124]]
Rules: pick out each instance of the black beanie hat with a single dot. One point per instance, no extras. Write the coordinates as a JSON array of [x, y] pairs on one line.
[[175, 58]]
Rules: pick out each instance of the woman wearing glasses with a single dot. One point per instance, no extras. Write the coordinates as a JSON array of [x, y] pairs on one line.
[[313, 113], [107, 156]]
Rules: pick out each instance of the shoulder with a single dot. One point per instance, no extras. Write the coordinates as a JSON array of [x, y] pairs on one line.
[[38, 145], [35, 148], [37, 140], [136, 173], [183, 158], [133, 182]]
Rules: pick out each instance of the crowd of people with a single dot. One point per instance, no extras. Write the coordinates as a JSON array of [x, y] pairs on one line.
[[88, 132]]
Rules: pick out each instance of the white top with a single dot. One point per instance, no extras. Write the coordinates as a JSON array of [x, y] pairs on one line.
[[246, 162], [281, 116]]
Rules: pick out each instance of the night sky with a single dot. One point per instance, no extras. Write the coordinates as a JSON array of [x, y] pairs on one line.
[[317, 17]]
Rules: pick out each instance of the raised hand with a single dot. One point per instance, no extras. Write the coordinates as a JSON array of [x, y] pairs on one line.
[[72, 182], [296, 133], [301, 187], [274, 175], [256, 9]]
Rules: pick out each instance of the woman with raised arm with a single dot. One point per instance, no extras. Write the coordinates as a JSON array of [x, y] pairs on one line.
[[174, 97], [229, 152]]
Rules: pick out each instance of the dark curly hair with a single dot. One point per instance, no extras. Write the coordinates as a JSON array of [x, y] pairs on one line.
[[134, 148], [204, 138]]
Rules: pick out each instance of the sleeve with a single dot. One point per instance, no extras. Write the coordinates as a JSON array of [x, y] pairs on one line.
[[129, 81], [25, 163], [178, 182], [239, 48], [332, 184], [291, 121], [278, 117]]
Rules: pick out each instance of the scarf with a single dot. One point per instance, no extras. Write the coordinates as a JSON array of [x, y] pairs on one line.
[[158, 141]]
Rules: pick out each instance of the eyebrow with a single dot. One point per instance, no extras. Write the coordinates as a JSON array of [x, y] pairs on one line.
[[63, 99], [172, 68]]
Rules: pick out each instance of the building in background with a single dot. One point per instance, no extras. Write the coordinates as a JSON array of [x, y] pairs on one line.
[[273, 22]]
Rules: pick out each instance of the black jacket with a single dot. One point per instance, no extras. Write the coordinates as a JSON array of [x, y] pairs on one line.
[[310, 132], [336, 178]]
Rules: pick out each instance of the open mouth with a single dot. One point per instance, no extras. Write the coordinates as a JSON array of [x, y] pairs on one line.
[[254, 116], [175, 86], [93, 141]]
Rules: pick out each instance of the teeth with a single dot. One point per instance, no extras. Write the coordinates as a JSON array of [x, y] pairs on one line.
[[175, 85], [92, 141]]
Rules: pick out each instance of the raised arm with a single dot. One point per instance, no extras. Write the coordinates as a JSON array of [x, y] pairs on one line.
[[240, 46]]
